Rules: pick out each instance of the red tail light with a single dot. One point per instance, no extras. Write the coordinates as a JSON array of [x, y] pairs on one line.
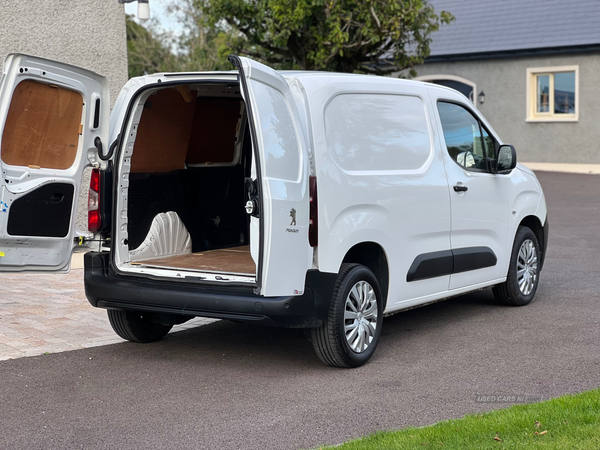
[[94, 219], [313, 224]]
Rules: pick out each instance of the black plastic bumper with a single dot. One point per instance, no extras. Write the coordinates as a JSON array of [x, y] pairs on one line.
[[105, 289]]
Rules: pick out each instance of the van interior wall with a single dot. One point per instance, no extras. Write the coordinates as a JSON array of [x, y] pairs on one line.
[[209, 199]]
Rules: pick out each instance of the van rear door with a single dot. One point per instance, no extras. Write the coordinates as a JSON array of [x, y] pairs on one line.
[[50, 116], [282, 169]]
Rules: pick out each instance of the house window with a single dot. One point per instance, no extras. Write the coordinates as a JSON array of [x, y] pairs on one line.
[[553, 94]]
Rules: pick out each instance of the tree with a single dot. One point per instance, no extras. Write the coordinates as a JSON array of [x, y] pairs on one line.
[[370, 36], [196, 49], [147, 50], [200, 46]]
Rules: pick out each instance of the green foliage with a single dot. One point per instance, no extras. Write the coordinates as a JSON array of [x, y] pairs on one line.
[[372, 36], [201, 47], [151, 51], [147, 51], [568, 422]]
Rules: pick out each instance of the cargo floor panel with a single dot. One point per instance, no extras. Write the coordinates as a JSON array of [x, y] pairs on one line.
[[230, 260]]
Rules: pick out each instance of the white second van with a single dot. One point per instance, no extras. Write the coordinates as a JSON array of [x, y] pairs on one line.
[[312, 200]]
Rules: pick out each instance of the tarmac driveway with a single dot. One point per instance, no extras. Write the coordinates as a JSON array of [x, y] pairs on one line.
[[228, 385]]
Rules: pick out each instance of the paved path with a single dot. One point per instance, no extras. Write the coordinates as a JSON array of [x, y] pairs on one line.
[[234, 386], [49, 313]]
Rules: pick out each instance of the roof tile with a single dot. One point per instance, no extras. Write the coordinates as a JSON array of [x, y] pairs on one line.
[[484, 26]]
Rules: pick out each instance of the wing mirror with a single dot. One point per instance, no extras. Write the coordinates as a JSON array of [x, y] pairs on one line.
[[506, 159]]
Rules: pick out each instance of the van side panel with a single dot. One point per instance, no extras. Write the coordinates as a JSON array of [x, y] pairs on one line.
[[380, 178]]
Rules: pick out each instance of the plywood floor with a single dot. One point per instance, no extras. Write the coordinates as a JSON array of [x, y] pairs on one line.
[[230, 260]]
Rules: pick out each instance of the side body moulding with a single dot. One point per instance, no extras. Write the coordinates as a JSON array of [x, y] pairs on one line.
[[448, 262]]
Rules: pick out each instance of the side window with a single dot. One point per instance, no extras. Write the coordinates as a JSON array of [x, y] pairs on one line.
[[489, 144], [377, 132], [463, 136]]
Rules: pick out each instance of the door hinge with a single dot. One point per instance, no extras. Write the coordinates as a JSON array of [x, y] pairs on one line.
[[92, 157]]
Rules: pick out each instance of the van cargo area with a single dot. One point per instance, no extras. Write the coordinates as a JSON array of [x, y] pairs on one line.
[[182, 168]]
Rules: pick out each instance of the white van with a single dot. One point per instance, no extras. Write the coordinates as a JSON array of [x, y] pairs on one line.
[[311, 200]]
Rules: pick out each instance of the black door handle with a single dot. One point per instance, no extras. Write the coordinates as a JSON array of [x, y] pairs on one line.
[[460, 188]]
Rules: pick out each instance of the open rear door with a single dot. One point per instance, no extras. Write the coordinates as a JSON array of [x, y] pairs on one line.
[[284, 252], [50, 116]]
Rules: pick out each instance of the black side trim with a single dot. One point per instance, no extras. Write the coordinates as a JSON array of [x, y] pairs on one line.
[[431, 265], [545, 244], [45, 211], [473, 258], [447, 262]]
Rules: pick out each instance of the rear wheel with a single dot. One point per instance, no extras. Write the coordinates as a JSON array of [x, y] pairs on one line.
[[350, 334], [137, 326], [523, 273]]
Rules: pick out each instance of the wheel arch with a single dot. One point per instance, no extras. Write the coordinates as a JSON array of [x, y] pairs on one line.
[[373, 256], [534, 224]]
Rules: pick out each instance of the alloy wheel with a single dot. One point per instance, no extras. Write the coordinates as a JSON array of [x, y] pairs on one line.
[[360, 316], [527, 267]]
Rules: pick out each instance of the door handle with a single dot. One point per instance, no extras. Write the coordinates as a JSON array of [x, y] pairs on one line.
[[460, 188]]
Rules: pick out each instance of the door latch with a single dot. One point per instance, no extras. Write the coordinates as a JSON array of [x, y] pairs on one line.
[[252, 203]]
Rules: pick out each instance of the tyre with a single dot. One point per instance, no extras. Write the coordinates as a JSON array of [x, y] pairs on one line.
[[137, 326], [523, 273], [350, 334]]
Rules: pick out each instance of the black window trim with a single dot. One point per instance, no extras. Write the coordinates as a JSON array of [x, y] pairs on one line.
[[481, 128]]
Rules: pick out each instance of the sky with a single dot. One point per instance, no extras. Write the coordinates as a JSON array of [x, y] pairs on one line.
[[158, 11]]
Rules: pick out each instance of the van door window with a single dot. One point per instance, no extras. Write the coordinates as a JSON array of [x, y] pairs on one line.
[[490, 144], [463, 136], [282, 155]]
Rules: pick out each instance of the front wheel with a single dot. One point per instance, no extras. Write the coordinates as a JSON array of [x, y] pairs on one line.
[[523, 273], [137, 326], [350, 334]]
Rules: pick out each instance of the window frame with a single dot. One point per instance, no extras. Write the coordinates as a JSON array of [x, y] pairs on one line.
[[551, 116], [437, 77], [481, 128]]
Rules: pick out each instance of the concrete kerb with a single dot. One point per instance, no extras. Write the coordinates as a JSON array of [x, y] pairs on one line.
[[593, 169]]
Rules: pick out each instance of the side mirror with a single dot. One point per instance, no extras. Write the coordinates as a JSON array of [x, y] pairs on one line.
[[506, 159]]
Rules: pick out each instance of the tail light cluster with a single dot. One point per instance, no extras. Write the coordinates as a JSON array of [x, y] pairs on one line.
[[94, 218], [313, 224]]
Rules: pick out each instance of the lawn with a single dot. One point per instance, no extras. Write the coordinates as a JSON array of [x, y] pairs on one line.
[[568, 422]]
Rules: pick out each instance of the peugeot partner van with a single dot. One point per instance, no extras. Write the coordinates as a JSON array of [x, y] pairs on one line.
[[310, 200]]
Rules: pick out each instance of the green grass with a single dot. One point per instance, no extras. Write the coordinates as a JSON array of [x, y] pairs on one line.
[[570, 422]]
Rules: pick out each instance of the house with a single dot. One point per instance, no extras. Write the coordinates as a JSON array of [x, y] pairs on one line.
[[532, 67], [86, 33]]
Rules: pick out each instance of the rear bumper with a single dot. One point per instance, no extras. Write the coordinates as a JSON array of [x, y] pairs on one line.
[[105, 289]]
